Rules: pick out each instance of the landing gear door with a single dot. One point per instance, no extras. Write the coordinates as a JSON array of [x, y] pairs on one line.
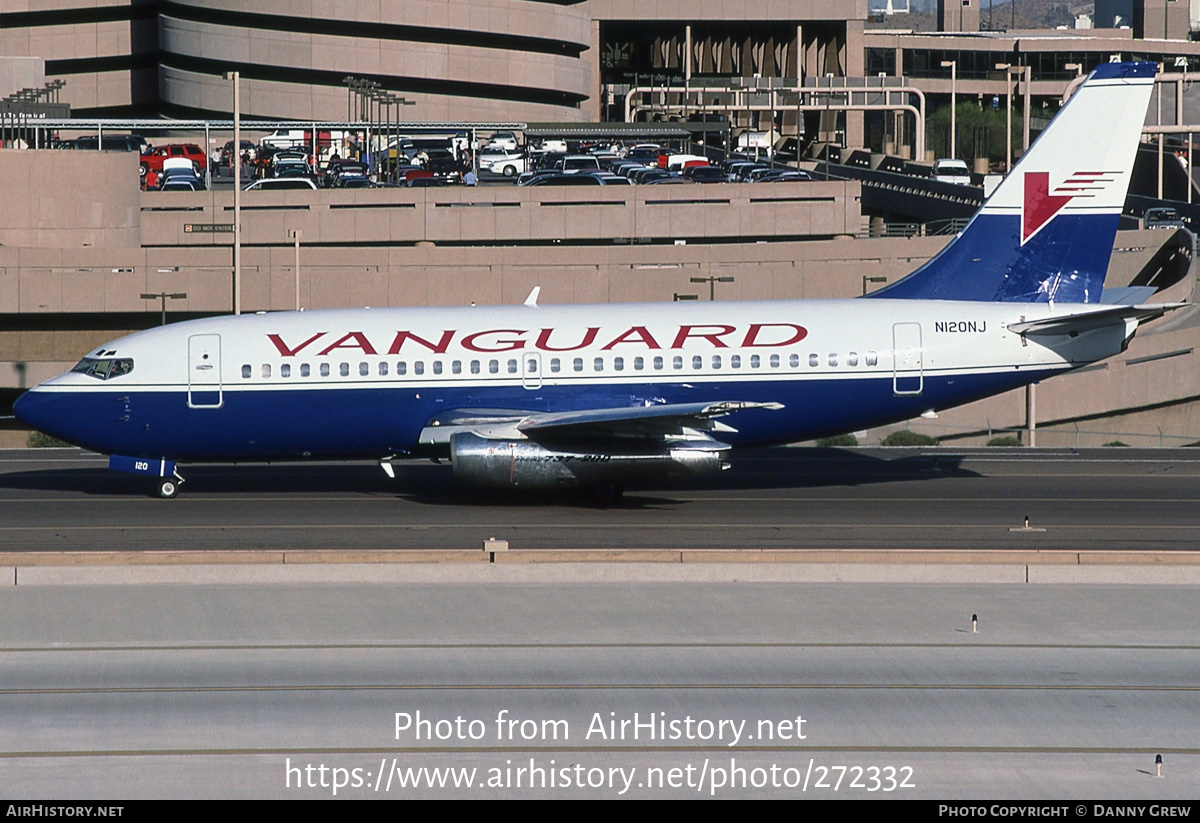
[[204, 371], [908, 376]]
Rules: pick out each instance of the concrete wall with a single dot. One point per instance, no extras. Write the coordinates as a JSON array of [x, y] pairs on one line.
[[66, 199], [18, 73], [488, 60], [65, 33]]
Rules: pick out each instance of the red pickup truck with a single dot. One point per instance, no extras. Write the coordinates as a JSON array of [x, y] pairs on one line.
[[153, 159]]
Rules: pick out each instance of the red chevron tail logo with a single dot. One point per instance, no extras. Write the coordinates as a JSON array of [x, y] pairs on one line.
[[1040, 205]]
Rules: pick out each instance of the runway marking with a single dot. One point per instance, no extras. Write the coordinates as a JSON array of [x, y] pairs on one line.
[[594, 749], [390, 497], [592, 524], [734, 644], [568, 687]]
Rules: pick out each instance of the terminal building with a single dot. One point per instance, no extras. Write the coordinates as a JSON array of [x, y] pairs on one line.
[[78, 261]]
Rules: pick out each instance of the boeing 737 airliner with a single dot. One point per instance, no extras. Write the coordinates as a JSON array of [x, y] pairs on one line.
[[542, 396]]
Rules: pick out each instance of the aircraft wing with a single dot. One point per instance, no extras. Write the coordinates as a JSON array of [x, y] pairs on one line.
[[639, 420], [628, 421], [1086, 321]]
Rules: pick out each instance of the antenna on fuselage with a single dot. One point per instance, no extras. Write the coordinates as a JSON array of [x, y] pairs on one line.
[[532, 299]]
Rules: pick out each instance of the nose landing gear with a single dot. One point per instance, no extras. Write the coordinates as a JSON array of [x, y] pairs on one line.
[[167, 488]]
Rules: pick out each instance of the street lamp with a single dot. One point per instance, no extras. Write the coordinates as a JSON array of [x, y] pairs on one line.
[[1008, 69], [237, 190], [712, 284], [953, 66], [164, 297]]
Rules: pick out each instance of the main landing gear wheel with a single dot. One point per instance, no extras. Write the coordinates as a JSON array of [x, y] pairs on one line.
[[168, 487]]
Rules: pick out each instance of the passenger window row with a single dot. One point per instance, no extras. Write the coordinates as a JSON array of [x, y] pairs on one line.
[[557, 365]]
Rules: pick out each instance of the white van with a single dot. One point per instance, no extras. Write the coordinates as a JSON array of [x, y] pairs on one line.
[[951, 171]]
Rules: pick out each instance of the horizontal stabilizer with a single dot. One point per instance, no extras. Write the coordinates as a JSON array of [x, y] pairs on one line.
[[1086, 321]]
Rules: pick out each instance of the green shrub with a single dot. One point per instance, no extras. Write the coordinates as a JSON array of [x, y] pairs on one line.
[[838, 440], [908, 438], [1116, 443], [37, 440], [1007, 440]]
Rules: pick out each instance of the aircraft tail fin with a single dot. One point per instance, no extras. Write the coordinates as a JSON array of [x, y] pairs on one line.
[[1046, 234]]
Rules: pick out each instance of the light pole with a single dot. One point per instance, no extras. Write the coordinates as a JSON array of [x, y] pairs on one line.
[[297, 235], [164, 297], [953, 66], [237, 190], [1007, 68], [712, 284]]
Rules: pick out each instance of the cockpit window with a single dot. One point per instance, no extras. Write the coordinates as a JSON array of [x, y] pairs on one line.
[[104, 369]]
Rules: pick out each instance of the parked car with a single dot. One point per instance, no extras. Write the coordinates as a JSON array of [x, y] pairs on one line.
[[704, 174], [576, 163], [559, 179], [111, 142], [155, 157], [510, 166], [281, 184], [505, 140], [1163, 218], [948, 170]]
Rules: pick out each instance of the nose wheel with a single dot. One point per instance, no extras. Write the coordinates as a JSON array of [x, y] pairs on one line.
[[167, 488]]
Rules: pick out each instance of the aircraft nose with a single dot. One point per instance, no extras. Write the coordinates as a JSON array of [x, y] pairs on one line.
[[42, 411]]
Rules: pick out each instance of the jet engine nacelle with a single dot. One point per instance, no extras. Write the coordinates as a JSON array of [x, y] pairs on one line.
[[525, 463]]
